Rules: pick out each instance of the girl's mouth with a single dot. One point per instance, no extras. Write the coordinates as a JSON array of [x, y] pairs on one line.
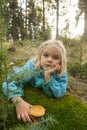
[[49, 66]]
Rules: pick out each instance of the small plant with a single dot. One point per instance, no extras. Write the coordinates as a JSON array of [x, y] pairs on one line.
[[43, 123]]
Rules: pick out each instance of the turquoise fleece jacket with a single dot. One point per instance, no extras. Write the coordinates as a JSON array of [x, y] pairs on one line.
[[55, 87]]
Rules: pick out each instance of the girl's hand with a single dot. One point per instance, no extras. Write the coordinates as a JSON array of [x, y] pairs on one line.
[[22, 110], [48, 72]]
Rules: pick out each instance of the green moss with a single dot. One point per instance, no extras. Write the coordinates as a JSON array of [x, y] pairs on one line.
[[70, 112]]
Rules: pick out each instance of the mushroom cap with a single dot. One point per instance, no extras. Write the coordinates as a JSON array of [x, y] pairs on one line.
[[37, 111]]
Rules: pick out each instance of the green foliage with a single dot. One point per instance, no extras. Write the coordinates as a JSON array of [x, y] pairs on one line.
[[46, 34], [21, 75], [42, 123], [3, 59], [35, 43], [76, 52], [32, 43], [2, 31], [84, 69], [75, 68]]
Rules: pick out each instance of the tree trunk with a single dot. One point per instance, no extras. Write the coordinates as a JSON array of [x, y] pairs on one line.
[[85, 25], [43, 17], [57, 19]]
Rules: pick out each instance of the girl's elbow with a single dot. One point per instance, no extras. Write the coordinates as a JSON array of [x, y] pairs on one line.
[[60, 94]]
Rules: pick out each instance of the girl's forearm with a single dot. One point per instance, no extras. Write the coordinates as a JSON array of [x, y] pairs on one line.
[[46, 76]]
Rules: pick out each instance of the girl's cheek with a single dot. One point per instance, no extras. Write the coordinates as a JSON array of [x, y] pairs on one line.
[[58, 66]]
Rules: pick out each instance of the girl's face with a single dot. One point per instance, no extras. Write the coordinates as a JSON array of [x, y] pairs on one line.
[[50, 57]]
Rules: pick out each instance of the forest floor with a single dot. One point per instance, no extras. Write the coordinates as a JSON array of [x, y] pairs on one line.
[[76, 86]]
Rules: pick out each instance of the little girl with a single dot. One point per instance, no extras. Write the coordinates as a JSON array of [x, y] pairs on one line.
[[51, 59]]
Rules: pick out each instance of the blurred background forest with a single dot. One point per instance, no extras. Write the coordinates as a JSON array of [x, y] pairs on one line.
[[24, 25], [22, 21], [41, 19]]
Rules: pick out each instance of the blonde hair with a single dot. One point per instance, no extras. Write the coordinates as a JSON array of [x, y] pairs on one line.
[[62, 49]]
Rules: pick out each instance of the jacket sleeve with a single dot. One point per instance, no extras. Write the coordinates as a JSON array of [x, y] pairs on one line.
[[15, 88], [56, 87]]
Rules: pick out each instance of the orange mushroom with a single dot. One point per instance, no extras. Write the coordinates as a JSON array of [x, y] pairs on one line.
[[37, 111]]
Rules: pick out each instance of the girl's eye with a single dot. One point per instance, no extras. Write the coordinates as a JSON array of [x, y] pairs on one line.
[[45, 55], [56, 57]]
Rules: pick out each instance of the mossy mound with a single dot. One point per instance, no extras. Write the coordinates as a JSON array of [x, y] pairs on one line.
[[71, 113]]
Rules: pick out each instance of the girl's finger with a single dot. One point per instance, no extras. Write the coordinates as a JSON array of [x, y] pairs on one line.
[[18, 117]]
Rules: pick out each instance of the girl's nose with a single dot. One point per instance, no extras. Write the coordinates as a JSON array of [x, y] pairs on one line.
[[49, 59]]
